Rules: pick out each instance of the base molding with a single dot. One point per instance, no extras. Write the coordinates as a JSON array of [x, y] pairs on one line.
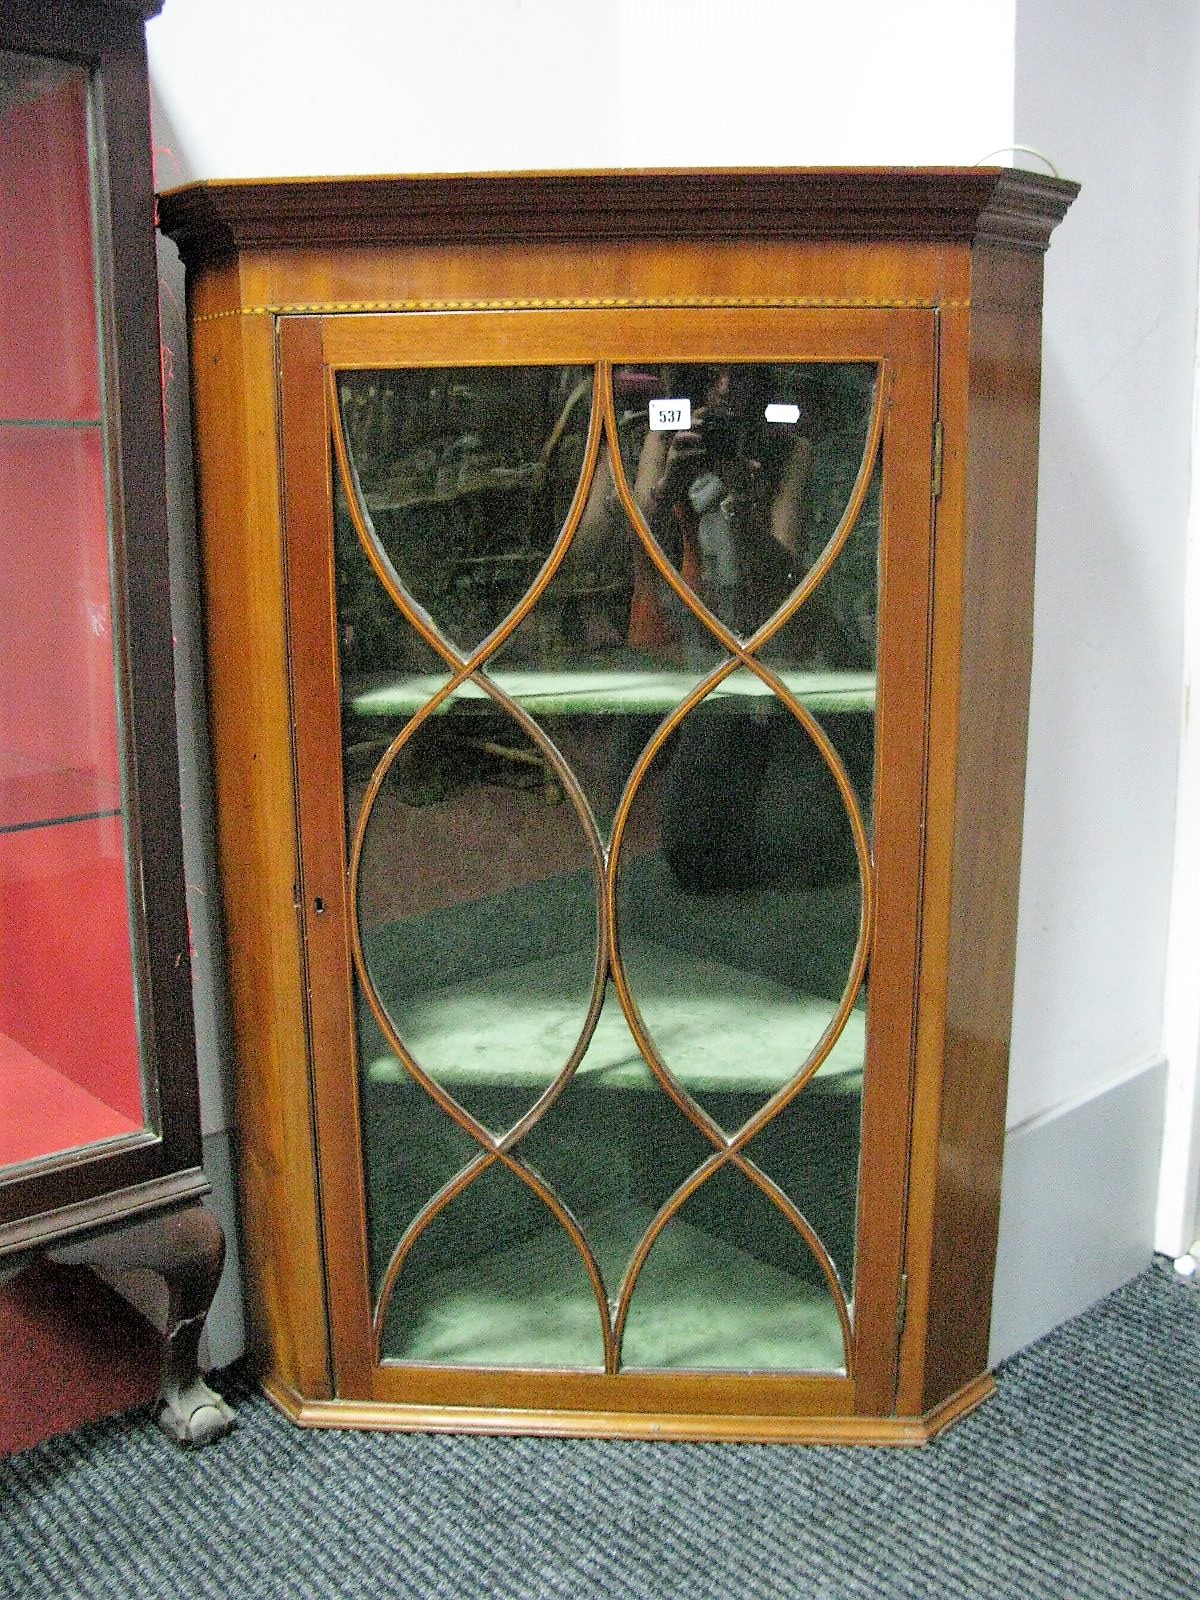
[[1077, 1206], [831, 1430]]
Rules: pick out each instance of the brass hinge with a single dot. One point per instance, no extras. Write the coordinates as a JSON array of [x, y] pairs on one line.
[[902, 1308], [938, 441]]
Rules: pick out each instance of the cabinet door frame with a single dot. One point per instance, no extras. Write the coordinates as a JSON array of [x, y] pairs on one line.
[[903, 341]]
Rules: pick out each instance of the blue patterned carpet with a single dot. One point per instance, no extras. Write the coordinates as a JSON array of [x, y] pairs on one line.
[[1080, 1480]]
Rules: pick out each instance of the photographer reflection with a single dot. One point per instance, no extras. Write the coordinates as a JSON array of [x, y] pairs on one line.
[[722, 498], [748, 802]]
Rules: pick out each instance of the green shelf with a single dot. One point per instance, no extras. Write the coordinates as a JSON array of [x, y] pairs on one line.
[[701, 1304], [598, 692]]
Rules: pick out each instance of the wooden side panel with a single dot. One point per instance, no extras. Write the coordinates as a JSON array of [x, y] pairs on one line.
[[233, 374], [979, 719]]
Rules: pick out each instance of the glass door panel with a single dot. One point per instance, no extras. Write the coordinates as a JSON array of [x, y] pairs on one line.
[[49, 349], [484, 970], [731, 1282], [70, 1071], [607, 647]]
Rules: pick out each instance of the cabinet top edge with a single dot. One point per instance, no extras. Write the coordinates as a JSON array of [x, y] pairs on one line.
[[23, 17], [925, 205], [74, 27]]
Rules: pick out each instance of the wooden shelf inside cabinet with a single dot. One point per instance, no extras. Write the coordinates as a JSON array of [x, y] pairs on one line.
[[99, 1113], [609, 861]]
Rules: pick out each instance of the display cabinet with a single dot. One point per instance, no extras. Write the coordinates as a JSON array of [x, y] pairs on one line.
[[618, 593], [99, 1124]]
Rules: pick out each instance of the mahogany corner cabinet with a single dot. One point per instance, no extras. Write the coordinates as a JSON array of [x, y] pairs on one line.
[[618, 606]]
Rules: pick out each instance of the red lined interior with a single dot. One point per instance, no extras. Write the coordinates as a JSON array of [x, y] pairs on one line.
[[48, 365], [74, 1352], [43, 1112], [67, 995], [69, 1060], [58, 712]]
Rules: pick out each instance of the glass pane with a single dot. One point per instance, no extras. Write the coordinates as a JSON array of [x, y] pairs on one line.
[[742, 472], [740, 913], [483, 947], [738, 887], [70, 1071], [48, 341], [68, 1044], [69, 1061], [495, 1280], [599, 660], [730, 1283], [411, 1148], [739, 927], [466, 475], [811, 1150], [614, 1146]]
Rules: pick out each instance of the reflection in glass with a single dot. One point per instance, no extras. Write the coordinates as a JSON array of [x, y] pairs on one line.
[[737, 888], [467, 475], [70, 1072], [744, 495], [585, 662]]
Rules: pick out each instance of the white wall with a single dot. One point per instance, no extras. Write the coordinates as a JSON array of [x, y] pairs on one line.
[[1110, 91], [1178, 1225], [773, 83], [259, 87], [1116, 103]]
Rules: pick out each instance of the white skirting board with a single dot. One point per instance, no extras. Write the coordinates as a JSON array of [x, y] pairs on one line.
[[225, 1330], [1077, 1206]]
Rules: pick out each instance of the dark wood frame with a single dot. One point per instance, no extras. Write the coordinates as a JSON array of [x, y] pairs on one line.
[[89, 1204], [961, 249]]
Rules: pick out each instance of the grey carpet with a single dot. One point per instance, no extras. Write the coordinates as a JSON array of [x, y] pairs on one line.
[[1079, 1480]]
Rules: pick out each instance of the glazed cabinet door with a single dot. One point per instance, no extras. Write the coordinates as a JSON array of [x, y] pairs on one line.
[[98, 1101], [608, 634]]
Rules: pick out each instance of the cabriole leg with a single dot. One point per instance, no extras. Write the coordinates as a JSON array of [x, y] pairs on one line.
[[186, 1249]]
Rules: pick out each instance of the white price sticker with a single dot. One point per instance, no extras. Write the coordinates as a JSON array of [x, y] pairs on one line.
[[778, 411], [670, 415]]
